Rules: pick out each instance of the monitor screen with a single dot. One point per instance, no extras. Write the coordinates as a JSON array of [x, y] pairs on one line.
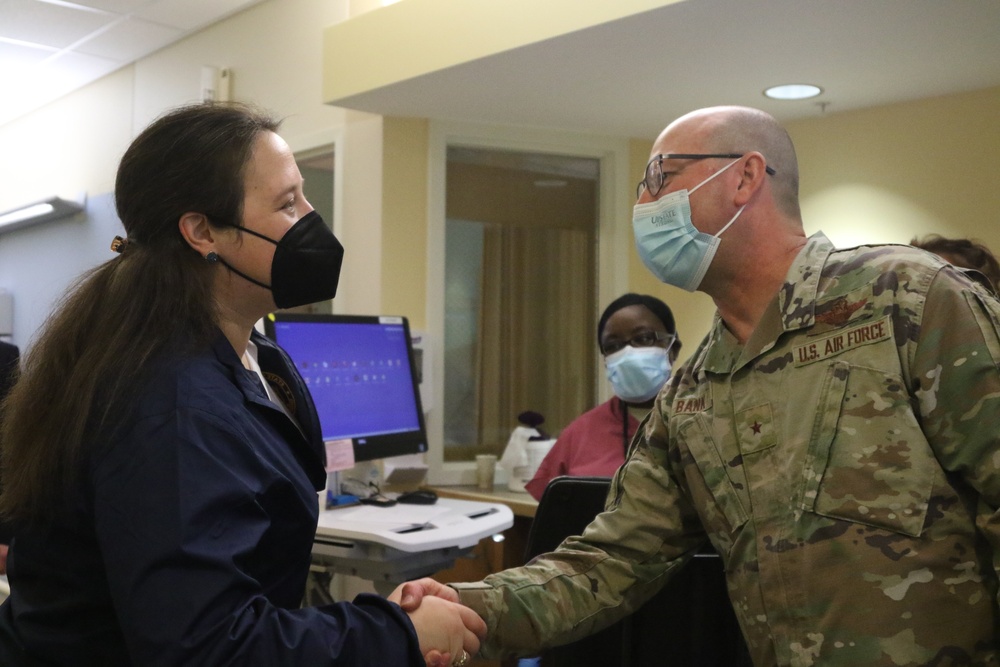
[[360, 371]]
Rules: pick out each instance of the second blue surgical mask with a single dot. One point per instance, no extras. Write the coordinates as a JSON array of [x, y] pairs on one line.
[[637, 373]]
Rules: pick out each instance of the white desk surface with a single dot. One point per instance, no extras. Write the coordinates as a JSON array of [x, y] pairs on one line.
[[447, 523], [389, 545]]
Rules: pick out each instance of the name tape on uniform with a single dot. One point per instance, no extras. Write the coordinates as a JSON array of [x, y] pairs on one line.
[[691, 405]]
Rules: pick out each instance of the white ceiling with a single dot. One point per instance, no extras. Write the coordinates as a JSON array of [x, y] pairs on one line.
[[50, 47], [630, 77]]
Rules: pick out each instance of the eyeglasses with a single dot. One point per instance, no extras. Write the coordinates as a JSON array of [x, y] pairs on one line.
[[655, 176], [641, 339]]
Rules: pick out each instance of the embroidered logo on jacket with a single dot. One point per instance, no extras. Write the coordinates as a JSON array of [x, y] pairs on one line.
[[283, 390], [839, 312], [842, 341]]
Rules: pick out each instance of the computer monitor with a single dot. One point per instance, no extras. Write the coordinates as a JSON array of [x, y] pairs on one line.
[[360, 371]]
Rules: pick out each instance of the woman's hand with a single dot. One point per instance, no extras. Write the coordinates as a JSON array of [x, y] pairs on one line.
[[410, 595], [446, 629]]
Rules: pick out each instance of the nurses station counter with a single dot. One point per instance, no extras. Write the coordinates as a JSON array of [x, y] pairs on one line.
[[521, 503], [390, 545]]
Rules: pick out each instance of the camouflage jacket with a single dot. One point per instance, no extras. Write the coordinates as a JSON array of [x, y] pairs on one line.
[[843, 461]]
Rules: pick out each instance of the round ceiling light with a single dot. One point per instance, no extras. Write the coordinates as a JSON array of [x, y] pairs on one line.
[[793, 91]]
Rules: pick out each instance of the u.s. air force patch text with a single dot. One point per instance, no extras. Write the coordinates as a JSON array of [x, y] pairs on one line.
[[842, 341]]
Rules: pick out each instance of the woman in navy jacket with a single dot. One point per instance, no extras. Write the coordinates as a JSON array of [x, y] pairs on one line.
[[161, 459]]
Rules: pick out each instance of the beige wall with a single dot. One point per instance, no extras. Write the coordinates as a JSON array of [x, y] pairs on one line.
[[880, 175], [885, 174], [404, 219]]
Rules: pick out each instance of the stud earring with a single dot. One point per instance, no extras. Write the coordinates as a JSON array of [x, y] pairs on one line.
[[211, 258]]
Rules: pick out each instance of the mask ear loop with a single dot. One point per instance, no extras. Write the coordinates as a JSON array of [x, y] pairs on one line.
[[714, 175], [733, 219], [726, 226], [213, 258]]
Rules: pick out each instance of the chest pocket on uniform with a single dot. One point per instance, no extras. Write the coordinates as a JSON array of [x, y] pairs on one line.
[[722, 496], [868, 460]]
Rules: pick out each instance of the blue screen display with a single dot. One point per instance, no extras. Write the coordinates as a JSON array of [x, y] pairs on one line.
[[359, 375]]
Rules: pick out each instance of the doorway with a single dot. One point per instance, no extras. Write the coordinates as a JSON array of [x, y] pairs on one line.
[[520, 288]]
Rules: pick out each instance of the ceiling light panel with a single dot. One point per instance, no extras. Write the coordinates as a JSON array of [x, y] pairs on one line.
[[191, 14], [56, 26], [21, 54], [49, 48], [130, 39], [116, 6]]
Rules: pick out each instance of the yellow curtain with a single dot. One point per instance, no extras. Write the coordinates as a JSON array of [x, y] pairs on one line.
[[535, 349]]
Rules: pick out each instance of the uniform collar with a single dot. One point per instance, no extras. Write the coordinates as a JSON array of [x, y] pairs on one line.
[[793, 308], [278, 368], [246, 381], [797, 298]]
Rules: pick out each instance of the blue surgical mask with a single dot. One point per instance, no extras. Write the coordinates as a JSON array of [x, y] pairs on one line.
[[669, 244], [637, 373]]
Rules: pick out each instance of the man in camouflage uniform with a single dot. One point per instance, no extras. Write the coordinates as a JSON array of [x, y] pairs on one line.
[[835, 437]]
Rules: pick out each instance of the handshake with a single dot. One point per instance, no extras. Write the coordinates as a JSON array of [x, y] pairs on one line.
[[449, 632]]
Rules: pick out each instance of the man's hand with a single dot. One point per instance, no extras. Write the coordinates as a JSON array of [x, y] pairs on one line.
[[409, 595], [3, 558]]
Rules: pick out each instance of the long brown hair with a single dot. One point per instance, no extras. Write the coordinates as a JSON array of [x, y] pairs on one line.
[[153, 298]]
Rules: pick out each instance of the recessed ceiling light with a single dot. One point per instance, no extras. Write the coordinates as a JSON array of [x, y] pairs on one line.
[[793, 91]]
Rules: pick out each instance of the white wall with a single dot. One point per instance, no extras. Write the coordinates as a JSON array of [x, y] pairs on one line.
[[274, 50]]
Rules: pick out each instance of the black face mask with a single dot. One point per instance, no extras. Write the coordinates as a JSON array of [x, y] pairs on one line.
[[306, 264]]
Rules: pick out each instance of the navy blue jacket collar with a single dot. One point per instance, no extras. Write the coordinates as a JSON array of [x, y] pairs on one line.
[[280, 372]]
